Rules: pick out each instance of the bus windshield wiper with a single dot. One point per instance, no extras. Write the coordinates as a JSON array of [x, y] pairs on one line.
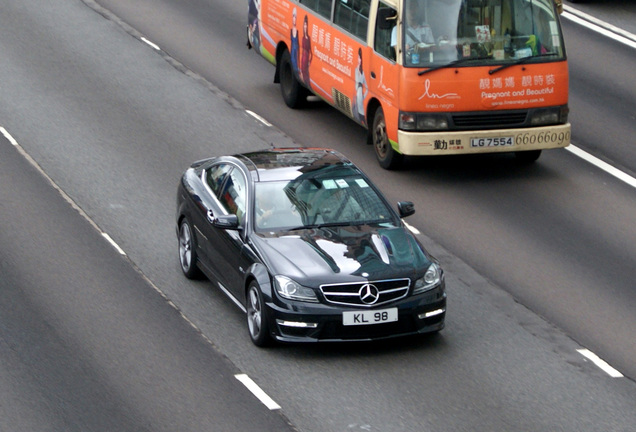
[[453, 63], [520, 61]]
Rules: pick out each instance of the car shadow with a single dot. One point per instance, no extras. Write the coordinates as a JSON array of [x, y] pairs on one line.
[[422, 344]]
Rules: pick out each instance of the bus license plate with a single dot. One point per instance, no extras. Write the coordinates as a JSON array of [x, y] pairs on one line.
[[492, 142], [369, 317]]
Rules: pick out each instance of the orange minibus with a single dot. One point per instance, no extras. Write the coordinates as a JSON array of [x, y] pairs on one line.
[[425, 77]]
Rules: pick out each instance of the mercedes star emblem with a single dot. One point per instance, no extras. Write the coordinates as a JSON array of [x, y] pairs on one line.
[[369, 294]]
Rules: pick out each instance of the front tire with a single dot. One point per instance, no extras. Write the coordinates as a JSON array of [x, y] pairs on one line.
[[188, 251], [294, 94], [387, 157], [257, 322]]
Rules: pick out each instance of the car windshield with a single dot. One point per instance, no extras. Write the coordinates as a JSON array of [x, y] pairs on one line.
[[479, 32], [341, 198]]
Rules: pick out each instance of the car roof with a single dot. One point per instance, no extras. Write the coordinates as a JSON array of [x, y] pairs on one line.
[[290, 163]]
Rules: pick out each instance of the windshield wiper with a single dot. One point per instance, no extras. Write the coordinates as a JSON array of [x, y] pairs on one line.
[[453, 63], [318, 226], [520, 61]]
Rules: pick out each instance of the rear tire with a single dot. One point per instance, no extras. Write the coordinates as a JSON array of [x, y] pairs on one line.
[[294, 94], [387, 157], [188, 251], [257, 320]]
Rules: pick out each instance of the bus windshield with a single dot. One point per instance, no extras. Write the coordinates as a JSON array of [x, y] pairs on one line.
[[478, 32]]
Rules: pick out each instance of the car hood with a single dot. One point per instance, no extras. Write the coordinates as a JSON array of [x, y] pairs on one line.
[[338, 254]]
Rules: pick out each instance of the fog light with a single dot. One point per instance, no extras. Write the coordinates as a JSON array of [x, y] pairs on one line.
[[431, 313], [296, 324]]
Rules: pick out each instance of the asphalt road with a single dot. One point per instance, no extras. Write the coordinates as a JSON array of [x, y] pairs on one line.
[[602, 94], [114, 123], [549, 234], [86, 342]]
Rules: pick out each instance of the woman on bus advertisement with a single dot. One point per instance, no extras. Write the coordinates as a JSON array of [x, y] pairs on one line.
[[322, 57], [295, 43], [253, 24], [362, 90], [307, 55]]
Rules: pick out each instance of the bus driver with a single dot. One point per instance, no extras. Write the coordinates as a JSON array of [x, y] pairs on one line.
[[417, 31]]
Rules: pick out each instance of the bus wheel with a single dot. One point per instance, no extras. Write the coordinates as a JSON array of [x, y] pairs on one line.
[[387, 157], [527, 157], [294, 94]]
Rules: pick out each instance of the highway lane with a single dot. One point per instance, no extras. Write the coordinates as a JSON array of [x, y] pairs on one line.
[[603, 97], [115, 124], [537, 232], [86, 343], [619, 13]]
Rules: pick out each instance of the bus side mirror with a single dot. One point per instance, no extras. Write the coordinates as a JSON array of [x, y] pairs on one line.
[[387, 18], [559, 5]]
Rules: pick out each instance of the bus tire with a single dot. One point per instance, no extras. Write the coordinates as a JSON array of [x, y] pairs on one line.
[[527, 157], [294, 94], [387, 157]]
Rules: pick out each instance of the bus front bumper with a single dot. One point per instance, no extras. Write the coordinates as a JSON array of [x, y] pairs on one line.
[[482, 141]]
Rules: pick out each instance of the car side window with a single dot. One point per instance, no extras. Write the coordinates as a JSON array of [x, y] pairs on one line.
[[215, 177], [233, 195]]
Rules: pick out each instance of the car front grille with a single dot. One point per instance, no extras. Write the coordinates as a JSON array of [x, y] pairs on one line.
[[349, 294]]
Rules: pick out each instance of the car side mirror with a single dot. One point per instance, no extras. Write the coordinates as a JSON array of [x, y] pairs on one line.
[[229, 221], [387, 18], [406, 208]]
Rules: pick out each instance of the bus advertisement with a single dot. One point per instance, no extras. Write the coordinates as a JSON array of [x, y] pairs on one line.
[[425, 77]]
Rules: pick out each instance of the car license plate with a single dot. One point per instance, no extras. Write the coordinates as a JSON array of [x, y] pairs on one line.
[[492, 142], [351, 318]]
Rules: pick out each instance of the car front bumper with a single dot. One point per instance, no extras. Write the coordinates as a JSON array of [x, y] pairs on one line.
[[297, 322]]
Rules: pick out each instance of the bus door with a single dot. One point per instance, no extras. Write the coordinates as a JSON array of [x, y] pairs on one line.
[[382, 68]]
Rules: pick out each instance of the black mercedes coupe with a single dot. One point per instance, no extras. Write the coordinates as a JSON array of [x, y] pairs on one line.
[[305, 244]]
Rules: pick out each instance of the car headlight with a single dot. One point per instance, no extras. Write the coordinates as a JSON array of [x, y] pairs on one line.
[[292, 290], [430, 280]]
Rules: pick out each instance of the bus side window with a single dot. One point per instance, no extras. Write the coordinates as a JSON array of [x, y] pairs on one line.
[[361, 8], [353, 16], [343, 14], [385, 22], [322, 7]]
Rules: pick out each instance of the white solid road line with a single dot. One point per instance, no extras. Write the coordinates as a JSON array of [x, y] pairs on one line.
[[600, 26], [602, 165]]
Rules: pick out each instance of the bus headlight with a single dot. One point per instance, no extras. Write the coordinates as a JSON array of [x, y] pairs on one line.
[[423, 122], [549, 116]]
